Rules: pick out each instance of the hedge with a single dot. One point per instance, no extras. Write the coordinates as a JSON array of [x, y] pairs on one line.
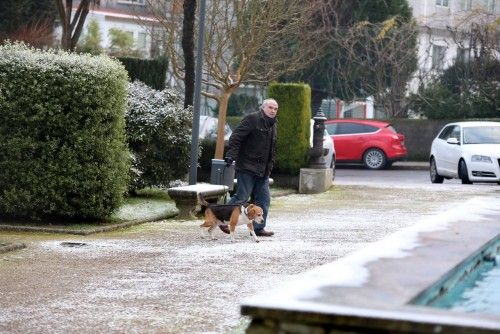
[[62, 140], [292, 149], [159, 135], [152, 72]]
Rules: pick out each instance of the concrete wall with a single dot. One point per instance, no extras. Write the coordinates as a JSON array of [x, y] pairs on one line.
[[419, 134]]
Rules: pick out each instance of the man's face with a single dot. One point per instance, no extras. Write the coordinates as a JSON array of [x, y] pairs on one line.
[[270, 109]]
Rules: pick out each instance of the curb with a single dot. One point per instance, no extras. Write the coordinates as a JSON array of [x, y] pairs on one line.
[[107, 228], [410, 165]]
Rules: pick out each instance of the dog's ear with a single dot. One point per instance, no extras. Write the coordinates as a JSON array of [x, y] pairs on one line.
[[250, 211]]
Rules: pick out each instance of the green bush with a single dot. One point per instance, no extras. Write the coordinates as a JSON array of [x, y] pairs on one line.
[[462, 91], [152, 72], [294, 116], [159, 135], [62, 140]]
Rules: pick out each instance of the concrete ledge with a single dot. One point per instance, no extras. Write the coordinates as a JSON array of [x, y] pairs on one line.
[[372, 290], [186, 197]]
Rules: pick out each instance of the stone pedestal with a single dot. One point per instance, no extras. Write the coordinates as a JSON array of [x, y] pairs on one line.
[[314, 181]]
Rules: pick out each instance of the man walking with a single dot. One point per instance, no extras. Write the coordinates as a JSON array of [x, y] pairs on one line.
[[253, 145]]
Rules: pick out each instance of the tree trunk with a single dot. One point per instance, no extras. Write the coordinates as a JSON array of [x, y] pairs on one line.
[[189, 8], [72, 24], [223, 100]]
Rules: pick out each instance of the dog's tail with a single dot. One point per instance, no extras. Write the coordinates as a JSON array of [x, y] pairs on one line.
[[202, 200]]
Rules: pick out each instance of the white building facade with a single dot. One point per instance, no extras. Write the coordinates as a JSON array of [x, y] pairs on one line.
[[438, 46], [129, 16]]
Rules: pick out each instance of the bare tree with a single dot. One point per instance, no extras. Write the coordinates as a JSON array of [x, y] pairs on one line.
[[247, 41], [478, 32], [72, 23], [376, 59], [465, 84]]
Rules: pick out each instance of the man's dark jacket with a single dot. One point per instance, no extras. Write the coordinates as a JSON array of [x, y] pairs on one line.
[[253, 144]]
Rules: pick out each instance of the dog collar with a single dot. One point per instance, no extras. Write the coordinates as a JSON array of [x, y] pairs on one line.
[[245, 211]]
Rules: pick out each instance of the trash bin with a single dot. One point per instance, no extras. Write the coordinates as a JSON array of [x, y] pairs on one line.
[[222, 174]]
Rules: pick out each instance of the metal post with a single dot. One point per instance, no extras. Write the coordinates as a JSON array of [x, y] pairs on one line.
[[197, 95], [317, 152]]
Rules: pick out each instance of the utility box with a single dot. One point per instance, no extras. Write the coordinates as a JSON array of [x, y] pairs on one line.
[[222, 174]]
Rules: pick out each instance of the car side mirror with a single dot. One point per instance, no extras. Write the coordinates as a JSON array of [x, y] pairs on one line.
[[453, 141]]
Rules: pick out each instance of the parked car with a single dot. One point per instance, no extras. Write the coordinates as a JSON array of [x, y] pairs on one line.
[[328, 144], [208, 128], [376, 144], [469, 151]]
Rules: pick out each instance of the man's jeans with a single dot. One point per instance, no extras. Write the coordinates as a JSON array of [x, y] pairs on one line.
[[258, 187]]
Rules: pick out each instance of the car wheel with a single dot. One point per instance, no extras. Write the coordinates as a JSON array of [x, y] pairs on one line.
[[435, 177], [463, 173], [374, 159]]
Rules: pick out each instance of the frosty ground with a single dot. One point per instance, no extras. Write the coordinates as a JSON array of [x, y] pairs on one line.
[[162, 277]]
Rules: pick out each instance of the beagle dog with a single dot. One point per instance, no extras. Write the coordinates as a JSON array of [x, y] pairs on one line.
[[231, 214]]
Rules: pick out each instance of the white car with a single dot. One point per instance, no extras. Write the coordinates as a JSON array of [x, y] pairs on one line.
[[208, 128], [469, 151], [328, 144]]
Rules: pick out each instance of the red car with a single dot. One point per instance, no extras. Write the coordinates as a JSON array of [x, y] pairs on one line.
[[374, 143]]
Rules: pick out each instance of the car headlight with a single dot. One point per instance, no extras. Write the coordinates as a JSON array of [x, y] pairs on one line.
[[481, 158]]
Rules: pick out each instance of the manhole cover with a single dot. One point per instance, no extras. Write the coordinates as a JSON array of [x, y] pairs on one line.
[[73, 244]]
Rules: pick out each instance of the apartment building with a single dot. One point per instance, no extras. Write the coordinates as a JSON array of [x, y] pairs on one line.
[[445, 31], [130, 16]]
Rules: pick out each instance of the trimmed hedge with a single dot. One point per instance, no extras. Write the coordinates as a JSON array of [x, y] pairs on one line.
[[292, 149], [62, 141], [159, 136], [152, 72]]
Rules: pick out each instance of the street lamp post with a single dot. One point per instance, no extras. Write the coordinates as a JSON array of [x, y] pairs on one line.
[[197, 95]]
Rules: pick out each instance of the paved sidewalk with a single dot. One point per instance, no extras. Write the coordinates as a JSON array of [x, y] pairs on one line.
[[164, 278]]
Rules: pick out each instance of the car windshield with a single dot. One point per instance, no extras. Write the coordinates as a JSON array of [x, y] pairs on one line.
[[482, 135]]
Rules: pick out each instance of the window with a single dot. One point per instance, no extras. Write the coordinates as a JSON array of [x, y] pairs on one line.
[[443, 3], [489, 5], [465, 4], [141, 40], [455, 133], [463, 55], [445, 134], [331, 128], [354, 128], [438, 53]]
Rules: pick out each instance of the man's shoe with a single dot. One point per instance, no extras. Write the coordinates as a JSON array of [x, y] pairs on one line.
[[224, 228], [264, 233]]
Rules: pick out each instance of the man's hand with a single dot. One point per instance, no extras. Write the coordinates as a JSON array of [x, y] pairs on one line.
[[228, 161]]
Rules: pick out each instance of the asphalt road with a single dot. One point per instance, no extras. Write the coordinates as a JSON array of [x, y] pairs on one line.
[[399, 176]]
